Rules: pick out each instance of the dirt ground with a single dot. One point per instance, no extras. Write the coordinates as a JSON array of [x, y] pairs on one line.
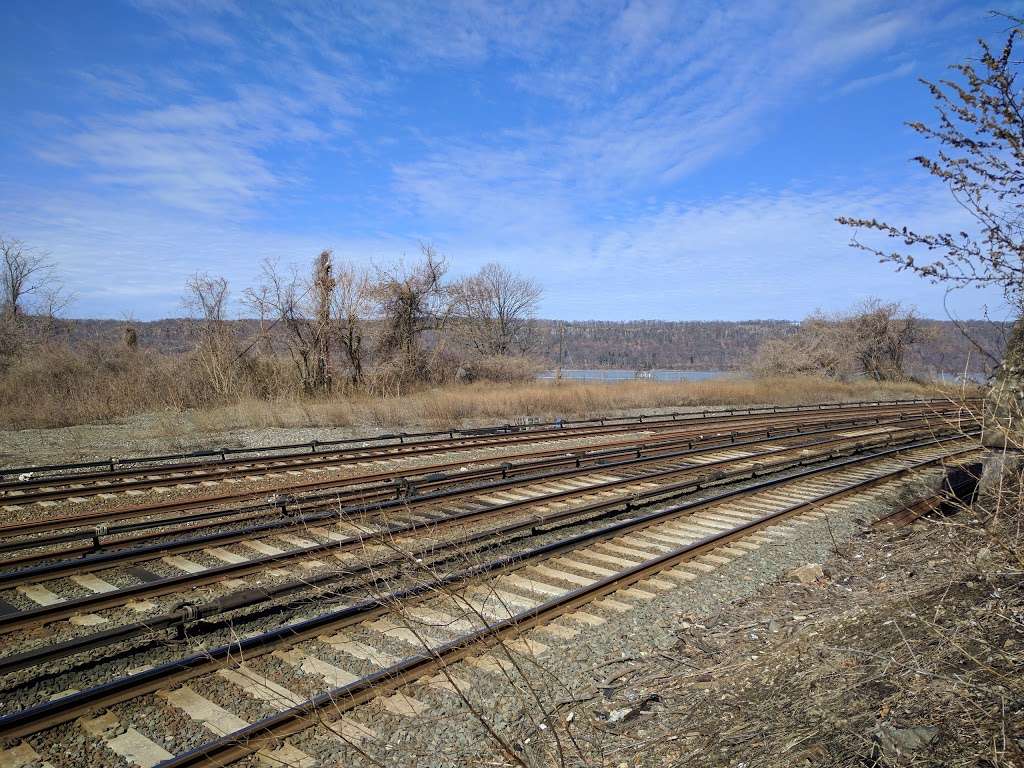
[[907, 650]]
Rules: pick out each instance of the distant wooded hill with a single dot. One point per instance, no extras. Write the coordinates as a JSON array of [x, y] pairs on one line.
[[720, 345], [639, 344]]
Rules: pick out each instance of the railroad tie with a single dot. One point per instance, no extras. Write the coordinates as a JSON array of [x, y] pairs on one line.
[[582, 566], [434, 619], [633, 553], [183, 564], [680, 575], [133, 746], [446, 681], [20, 755], [326, 534], [618, 562], [403, 705], [531, 586], [489, 610], [409, 633], [295, 541], [611, 604], [643, 543], [498, 659], [551, 573], [225, 556], [221, 722], [637, 593], [662, 535], [333, 675], [262, 547], [39, 594], [93, 583], [358, 650]]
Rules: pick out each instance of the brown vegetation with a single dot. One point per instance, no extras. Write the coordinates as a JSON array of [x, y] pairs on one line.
[[872, 340], [59, 387]]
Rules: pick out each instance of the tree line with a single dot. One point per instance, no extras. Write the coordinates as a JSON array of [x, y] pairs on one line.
[[382, 328]]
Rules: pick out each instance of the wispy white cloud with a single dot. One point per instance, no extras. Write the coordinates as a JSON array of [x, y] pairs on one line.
[[776, 254], [203, 155], [654, 89], [184, 164], [860, 83], [667, 90], [210, 136], [762, 254]]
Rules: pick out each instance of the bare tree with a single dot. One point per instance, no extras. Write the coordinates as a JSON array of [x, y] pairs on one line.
[[323, 300], [496, 308], [302, 307], [352, 309], [980, 159], [29, 287], [206, 300], [879, 334], [412, 300], [27, 276], [816, 348]]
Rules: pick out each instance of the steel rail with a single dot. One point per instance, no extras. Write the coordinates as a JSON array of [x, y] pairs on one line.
[[104, 560], [313, 445], [227, 749], [427, 477], [51, 713], [49, 490], [208, 469], [251, 596], [323, 486], [586, 462], [958, 489]]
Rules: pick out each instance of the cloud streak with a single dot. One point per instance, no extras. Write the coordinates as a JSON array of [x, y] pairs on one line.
[[559, 138]]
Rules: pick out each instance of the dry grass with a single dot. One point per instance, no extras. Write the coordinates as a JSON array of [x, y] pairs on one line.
[[56, 386], [461, 405]]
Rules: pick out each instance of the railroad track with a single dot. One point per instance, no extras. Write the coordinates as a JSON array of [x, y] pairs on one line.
[[394, 481], [58, 536], [54, 483], [390, 645], [365, 559], [204, 559]]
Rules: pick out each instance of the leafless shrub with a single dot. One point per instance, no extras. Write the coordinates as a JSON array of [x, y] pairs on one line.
[[352, 309], [216, 348], [872, 340], [880, 334], [499, 368], [411, 300], [815, 349]]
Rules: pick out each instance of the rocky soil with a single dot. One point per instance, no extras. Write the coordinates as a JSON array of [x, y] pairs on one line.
[[907, 650]]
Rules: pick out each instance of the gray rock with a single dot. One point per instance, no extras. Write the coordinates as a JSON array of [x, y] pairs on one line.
[[900, 742], [807, 574]]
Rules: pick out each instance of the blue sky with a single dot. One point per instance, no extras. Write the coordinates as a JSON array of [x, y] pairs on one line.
[[639, 159]]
